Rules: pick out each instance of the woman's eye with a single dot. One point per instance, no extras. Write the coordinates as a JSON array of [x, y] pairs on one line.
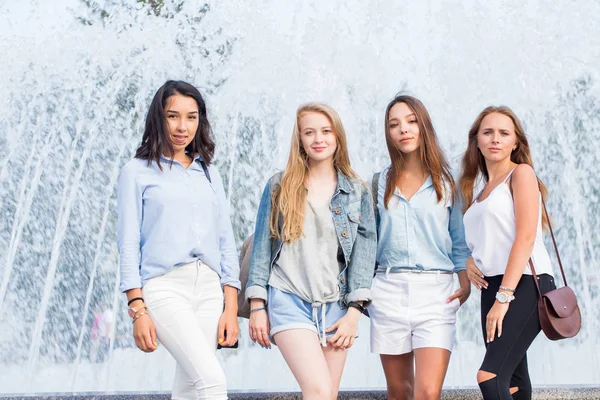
[[413, 121], [172, 116], [393, 125]]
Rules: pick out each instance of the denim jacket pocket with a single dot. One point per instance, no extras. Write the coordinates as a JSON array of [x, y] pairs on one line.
[[354, 218]]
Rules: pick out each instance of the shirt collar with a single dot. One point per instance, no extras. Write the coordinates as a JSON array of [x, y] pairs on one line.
[[196, 157]]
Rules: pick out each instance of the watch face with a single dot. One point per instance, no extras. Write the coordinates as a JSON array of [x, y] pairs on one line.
[[502, 297], [131, 312]]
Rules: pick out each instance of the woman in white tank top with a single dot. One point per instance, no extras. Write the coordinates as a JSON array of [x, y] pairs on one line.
[[503, 229]]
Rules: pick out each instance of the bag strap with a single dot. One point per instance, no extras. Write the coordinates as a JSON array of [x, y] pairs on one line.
[[205, 168], [562, 271], [374, 192]]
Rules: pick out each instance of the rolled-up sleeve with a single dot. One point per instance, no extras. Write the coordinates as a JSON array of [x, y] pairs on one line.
[[260, 262], [129, 211], [230, 266], [456, 228], [362, 264]]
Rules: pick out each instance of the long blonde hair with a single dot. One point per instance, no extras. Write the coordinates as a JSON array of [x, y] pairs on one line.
[[473, 162], [288, 200], [430, 152]]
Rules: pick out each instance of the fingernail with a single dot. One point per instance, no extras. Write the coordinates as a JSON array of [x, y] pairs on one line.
[[220, 340], [156, 344]]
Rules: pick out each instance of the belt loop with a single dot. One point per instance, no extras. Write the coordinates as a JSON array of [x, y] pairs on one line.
[[437, 276], [387, 272]]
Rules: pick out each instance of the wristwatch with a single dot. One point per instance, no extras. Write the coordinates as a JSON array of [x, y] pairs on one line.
[[504, 298]]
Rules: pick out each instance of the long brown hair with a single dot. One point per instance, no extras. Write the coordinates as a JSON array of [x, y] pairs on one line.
[[473, 162], [289, 198], [430, 152]]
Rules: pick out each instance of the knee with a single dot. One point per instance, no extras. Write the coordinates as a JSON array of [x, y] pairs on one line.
[[522, 393], [400, 390], [428, 393], [319, 391], [488, 386], [213, 385], [483, 376]]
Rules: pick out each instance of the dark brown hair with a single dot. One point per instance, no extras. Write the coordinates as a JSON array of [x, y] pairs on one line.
[[155, 141]]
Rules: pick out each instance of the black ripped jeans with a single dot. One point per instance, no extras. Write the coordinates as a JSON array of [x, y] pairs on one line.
[[506, 356]]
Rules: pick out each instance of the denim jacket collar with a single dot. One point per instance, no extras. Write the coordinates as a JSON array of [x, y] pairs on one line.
[[344, 183]]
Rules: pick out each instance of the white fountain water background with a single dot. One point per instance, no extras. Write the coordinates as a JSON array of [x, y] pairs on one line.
[[76, 89]]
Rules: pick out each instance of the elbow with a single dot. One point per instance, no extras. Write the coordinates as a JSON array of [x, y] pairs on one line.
[[526, 239]]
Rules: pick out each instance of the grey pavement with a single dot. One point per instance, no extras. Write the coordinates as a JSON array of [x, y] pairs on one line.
[[453, 394]]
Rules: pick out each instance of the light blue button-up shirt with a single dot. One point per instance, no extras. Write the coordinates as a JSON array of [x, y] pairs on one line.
[[172, 217], [420, 233]]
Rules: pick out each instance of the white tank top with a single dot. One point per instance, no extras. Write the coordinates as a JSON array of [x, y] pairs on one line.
[[490, 234]]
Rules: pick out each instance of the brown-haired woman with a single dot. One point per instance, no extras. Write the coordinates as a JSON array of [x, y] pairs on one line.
[[421, 245], [314, 249], [503, 228]]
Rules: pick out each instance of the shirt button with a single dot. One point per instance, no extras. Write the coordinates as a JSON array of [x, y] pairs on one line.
[[344, 234], [343, 280], [337, 211], [349, 259]]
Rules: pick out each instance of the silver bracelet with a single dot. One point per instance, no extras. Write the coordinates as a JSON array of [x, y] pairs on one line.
[[507, 289]]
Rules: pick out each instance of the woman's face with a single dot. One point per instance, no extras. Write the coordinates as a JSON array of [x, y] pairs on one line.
[[182, 115], [317, 136], [496, 137], [403, 128]]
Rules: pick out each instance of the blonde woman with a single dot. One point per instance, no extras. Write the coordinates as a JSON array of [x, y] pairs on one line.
[[313, 257]]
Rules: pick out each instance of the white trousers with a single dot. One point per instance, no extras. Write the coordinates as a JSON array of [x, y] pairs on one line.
[[185, 305]]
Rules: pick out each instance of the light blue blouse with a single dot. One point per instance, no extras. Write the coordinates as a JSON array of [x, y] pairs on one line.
[[172, 217], [420, 233]]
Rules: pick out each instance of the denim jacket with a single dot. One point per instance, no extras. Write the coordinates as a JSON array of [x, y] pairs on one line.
[[352, 212]]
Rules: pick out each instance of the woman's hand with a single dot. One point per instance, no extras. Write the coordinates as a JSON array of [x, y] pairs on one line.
[[346, 329], [475, 275], [228, 322], [258, 325], [144, 333], [462, 293], [494, 320]]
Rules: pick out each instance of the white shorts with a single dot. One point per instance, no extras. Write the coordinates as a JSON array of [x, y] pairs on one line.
[[409, 311]]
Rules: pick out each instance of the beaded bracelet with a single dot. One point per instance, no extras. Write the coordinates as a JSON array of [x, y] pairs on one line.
[[507, 289], [257, 309]]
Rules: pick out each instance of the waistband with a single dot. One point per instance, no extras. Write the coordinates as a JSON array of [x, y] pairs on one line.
[[395, 270], [413, 274]]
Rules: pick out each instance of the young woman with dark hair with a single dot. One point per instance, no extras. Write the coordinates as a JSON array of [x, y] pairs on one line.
[[421, 245], [503, 228], [178, 259]]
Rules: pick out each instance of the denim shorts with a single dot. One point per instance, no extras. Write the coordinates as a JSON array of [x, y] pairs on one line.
[[288, 311]]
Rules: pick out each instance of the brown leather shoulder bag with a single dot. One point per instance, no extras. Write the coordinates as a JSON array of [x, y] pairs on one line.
[[559, 313]]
